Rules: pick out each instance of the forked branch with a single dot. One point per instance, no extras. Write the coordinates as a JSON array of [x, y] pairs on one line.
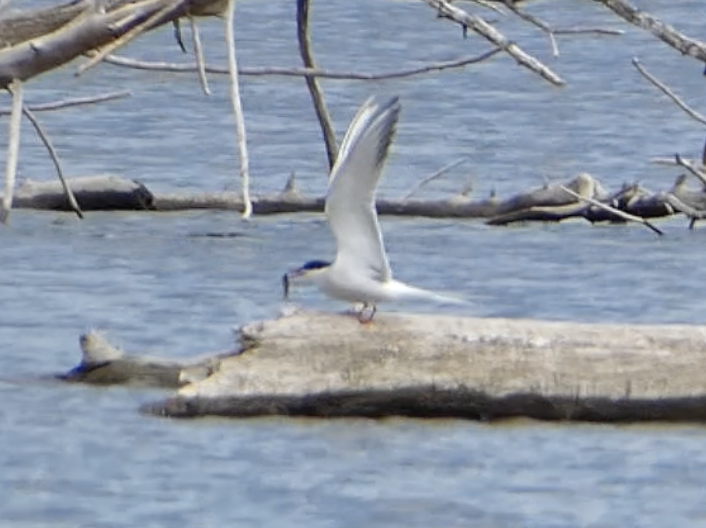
[[487, 31]]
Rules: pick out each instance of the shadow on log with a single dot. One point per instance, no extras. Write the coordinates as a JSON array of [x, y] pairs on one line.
[[328, 365]]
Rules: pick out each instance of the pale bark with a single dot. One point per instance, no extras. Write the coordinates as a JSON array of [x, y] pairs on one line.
[[319, 364], [665, 32], [549, 203]]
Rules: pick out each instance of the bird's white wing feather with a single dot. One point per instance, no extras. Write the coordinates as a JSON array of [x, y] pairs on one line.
[[350, 202]]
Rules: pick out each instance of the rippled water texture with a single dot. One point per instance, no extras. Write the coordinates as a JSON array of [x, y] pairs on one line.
[[78, 456]]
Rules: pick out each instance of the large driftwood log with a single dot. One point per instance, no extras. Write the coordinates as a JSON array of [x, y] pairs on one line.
[[317, 364], [549, 203]]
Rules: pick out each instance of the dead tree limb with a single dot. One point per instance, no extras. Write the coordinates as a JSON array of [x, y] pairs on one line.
[[693, 169], [317, 96], [165, 10], [541, 24], [55, 159], [617, 212], [117, 60], [665, 32], [491, 34], [13, 148], [668, 92], [68, 103], [433, 176], [198, 55], [228, 20]]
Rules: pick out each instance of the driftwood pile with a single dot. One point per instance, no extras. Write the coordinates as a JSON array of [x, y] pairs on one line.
[[39, 40], [581, 197], [427, 366]]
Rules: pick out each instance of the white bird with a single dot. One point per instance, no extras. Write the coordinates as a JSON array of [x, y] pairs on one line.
[[360, 273]]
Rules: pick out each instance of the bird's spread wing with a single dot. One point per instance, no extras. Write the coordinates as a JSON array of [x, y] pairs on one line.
[[350, 203]]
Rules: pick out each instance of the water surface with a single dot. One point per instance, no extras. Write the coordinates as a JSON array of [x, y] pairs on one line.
[[80, 456]]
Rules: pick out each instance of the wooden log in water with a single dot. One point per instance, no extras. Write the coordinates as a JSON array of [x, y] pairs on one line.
[[104, 364], [93, 193], [550, 203], [329, 365]]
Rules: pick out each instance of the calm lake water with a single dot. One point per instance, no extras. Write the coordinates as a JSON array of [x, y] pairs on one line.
[[83, 457]]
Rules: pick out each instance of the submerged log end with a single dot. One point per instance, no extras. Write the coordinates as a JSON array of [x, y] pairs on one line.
[[104, 364]]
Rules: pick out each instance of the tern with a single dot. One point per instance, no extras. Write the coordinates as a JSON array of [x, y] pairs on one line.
[[360, 272]]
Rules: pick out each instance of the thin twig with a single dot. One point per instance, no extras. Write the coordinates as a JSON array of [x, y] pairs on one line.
[[13, 148], [317, 96], [693, 170], [433, 176], [303, 72], [198, 53], [228, 20], [541, 24], [489, 5], [668, 92], [580, 31], [68, 103], [613, 210], [55, 159]]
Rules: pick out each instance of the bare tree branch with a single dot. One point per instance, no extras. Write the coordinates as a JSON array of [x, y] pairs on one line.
[[164, 13], [587, 31], [613, 210], [198, 54], [303, 72], [55, 159], [317, 96], [228, 20], [13, 149], [433, 176], [668, 92], [693, 170], [68, 103], [491, 34], [541, 24], [665, 32]]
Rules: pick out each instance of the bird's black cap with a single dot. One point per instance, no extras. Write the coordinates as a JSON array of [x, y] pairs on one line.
[[315, 264]]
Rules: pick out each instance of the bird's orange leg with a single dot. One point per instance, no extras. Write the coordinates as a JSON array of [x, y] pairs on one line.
[[364, 318]]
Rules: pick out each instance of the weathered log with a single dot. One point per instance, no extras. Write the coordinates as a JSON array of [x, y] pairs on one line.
[[550, 203], [327, 365], [93, 193], [104, 364]]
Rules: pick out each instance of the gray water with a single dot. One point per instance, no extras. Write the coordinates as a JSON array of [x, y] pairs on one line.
[[79, 456]]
